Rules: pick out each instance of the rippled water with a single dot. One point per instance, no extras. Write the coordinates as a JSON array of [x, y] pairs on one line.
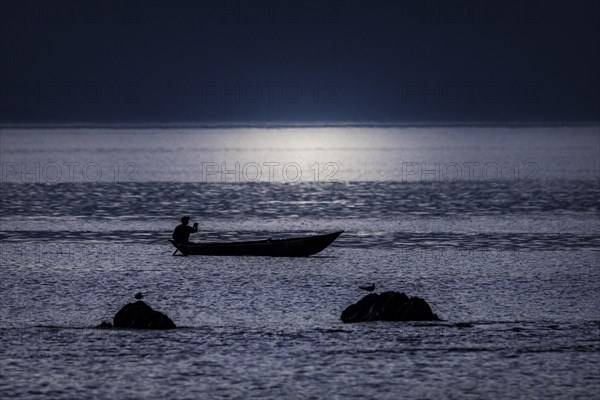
[[510, 263]]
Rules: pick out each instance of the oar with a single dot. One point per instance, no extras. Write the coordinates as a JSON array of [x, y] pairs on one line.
[[176, 248]]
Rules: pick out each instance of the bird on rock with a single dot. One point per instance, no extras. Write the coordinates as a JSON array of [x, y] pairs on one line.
[[368, 288]]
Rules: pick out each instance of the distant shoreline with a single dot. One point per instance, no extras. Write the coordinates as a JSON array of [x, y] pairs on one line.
[[277, 125]]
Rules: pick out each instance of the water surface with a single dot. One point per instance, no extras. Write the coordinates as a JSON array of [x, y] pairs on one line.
[[506, 251]]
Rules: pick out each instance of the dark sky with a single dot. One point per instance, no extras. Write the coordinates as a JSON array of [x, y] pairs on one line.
[[402, 61]]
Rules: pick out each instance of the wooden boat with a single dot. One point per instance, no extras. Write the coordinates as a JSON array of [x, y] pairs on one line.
[[293, 247]]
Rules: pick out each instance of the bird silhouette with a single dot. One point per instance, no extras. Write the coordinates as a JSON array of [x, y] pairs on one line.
[[139, 296], [368, 288]]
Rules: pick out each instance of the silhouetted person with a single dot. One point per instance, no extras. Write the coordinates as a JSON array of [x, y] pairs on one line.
[[181, 234]]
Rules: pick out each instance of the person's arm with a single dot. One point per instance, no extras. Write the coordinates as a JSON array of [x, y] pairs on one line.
[[195, 228]]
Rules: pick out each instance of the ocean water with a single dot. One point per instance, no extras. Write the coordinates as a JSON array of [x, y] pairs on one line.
[[497, 228]]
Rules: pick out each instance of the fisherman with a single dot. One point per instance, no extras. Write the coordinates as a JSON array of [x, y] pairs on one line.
[[181, 234]]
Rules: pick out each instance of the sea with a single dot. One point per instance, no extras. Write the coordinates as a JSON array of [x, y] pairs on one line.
[[497, 228]]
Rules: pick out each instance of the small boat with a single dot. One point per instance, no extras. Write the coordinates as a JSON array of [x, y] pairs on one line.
[[292, 247]]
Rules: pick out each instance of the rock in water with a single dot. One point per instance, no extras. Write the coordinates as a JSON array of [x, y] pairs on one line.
[[388, 306], [104, 325], [140, 315]]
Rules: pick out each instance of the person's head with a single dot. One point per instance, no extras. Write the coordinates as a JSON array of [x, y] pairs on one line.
[[185, 219]]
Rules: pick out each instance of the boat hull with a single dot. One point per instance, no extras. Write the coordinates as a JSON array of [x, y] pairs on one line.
[[293, 247]]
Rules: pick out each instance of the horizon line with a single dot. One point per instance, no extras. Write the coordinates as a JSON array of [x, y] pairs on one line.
[[281, 125]]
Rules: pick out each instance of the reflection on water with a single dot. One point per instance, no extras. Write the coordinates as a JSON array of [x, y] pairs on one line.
[[271, 326], [300, 155], [497, 228], [326, 200]]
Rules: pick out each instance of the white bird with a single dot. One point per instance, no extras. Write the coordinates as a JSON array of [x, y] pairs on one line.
[[368, 288]]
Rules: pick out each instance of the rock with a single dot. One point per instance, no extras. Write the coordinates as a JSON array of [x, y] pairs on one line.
[[105, 325], [139, 315], [388, 306]]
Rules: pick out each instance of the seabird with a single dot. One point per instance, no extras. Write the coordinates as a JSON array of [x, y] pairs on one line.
[[139, 296], [368, 288]]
